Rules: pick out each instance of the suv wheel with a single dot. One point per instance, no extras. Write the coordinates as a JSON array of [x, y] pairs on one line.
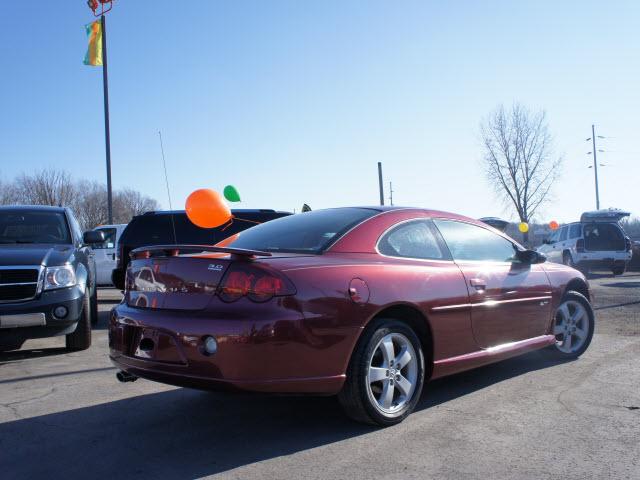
[[567, 259], [619, 269], [80, 338], [385, 375]]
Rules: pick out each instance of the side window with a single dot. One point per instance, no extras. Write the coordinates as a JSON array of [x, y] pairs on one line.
[[563, 234], [109, 239], [554, 236], [576, 231], [413, 239], [471, 242]]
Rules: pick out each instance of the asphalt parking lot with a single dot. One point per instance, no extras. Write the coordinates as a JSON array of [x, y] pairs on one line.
[[65, 415]]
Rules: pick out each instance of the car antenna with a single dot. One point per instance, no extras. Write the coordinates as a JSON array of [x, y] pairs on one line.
[[166, 179]]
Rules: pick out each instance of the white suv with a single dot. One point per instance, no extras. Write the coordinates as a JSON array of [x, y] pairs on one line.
[[596, 241]]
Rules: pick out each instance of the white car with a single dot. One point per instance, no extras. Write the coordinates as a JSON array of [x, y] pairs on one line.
[[105, 252], [597, 240]]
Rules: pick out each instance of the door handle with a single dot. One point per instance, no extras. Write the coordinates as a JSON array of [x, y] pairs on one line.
[[478, 283]]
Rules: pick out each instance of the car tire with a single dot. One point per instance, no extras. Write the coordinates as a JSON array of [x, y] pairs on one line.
[[619, 269], [94, 306], [573, 326], [80, 338], [9, 346], [371, 359]]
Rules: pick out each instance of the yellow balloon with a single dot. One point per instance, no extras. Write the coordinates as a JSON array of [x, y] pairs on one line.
[[523, 227]]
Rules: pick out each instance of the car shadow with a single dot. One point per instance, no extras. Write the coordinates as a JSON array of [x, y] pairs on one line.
[[183, 434], [27, 353]]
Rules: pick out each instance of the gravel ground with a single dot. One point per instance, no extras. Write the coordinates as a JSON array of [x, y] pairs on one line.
[[65, 416]]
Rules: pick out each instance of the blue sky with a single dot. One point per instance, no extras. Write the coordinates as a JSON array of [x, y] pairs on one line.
[[297, 101]]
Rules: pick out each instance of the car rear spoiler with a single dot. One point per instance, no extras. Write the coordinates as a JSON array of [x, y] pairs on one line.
[[175, 250]]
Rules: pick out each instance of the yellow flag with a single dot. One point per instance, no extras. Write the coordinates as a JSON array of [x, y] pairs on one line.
[[94, 51]]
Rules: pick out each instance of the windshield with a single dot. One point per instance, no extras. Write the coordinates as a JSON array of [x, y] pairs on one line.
[[310, 232], [23, 226]]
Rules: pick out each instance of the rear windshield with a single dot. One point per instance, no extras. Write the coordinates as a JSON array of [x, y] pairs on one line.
[[310, 232], [159, 229], [23, 226], [603, 236]]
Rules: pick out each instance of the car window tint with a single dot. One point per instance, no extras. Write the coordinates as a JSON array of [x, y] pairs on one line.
[[413, 239], [471, 242], [310, 232], [24, 226], [563, 234]]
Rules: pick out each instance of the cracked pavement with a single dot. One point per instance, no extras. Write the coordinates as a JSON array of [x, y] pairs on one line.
[[65, 415]]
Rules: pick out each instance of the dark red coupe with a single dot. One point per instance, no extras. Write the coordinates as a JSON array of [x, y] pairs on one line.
[[364, 303]]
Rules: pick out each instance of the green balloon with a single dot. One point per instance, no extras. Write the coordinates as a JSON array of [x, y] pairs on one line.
[[231, 193]]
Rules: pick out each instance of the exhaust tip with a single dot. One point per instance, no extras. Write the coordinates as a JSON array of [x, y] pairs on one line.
[[125, 377]]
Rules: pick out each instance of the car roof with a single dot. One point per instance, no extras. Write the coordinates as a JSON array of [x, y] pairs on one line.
[[32, 208], [234, 210]]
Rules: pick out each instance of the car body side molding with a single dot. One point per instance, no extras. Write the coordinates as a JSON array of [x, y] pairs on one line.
[[448, 366]]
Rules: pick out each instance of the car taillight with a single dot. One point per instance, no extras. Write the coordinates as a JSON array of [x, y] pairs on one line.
[[256, 283], [580, 245]]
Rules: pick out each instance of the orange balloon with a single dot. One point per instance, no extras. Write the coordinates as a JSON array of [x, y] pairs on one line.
[[553, 225], [207, 209]]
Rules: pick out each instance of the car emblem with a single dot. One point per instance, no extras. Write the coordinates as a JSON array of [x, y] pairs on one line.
[[215, 267]]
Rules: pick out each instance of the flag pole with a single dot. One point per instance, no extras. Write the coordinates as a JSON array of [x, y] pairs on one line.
[[107, 137]]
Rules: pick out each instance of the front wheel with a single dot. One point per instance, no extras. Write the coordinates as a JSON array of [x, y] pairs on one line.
[[385, 374], [573, 326], [80, 338]]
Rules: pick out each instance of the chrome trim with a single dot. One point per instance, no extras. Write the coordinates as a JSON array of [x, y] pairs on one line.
[[23, 320], [489, 303]]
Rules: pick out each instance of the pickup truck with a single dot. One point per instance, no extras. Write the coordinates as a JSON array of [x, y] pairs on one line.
[[47, 277]]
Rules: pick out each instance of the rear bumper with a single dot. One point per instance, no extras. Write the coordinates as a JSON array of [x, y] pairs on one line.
[[271, 349], [71, 298]]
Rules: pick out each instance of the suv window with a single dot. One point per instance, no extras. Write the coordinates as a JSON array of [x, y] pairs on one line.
[[576, 231], [471, 242], [109, 239], [563, 234], [24, 226], [413, 239]]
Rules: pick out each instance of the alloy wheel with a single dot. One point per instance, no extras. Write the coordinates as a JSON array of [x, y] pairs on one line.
[[392, 375], [571, 327]]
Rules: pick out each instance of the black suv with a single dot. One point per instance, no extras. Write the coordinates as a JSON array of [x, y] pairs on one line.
[[173, 227], [47, 277]]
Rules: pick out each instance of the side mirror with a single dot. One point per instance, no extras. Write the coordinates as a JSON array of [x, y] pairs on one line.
[[531, 256], [93, 236]]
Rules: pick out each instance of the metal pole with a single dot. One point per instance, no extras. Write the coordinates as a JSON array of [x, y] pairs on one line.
[[107, 137], [390, 193], [380, 183], [595, 165]]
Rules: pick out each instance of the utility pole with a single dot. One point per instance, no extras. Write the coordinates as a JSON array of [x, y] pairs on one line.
[[107, 137], [390, 193], [380, 183], [595, 165]]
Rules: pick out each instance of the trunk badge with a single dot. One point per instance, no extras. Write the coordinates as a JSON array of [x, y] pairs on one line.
[[215, 267]]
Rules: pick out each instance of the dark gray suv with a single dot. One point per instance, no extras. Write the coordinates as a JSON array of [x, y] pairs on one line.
[[47, 277]]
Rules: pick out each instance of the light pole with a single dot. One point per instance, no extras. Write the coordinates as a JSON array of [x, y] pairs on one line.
[[595, 163]]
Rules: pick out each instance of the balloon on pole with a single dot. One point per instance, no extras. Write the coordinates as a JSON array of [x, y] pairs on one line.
[[523, 227], [207, 209], [231, 193], [553, 225]]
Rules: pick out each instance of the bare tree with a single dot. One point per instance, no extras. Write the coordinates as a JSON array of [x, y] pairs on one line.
[[128, 202], [46, 187], [7, 193], [91, 205], [519, 159]]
